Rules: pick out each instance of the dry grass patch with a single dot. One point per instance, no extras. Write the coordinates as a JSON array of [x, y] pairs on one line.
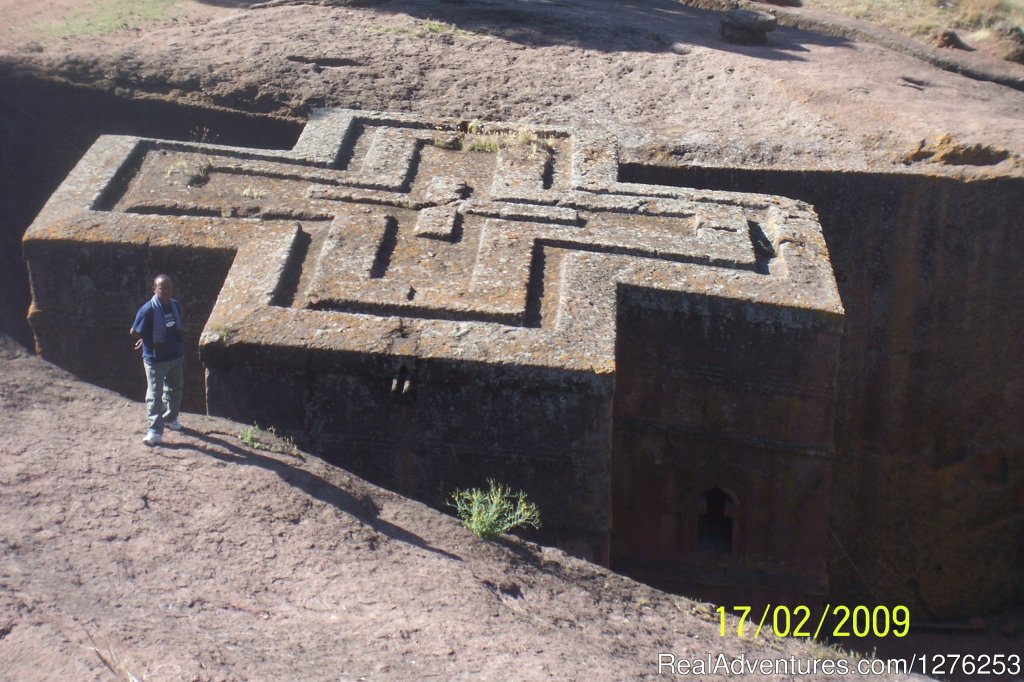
[[923, 18], [480, 137], [111, 16]]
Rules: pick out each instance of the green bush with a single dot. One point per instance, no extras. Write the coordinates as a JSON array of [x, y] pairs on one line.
[[250, 435], [488, 514]]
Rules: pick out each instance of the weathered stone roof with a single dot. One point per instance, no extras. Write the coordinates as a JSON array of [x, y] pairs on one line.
[[387, 233]]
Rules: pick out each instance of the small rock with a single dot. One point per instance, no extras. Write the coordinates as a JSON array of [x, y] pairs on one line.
[[950, 39], [750, 20], [1011, 41], [747, 26], [1010, 628], [1008, 30]]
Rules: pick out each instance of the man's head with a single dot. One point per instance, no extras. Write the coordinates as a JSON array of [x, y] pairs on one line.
[[163, 287]]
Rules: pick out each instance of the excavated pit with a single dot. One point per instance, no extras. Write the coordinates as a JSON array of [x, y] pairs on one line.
[[46, 127], [927, 472]]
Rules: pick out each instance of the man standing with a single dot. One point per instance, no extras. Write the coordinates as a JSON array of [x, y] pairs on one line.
[[157, 330]]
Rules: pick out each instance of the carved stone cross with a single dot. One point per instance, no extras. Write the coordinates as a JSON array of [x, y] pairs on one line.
[[431, 301]]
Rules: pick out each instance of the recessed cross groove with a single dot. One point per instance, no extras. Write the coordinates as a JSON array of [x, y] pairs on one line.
[[420, 230]]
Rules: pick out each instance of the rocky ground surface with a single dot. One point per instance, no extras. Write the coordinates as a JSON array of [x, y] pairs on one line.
[[657, 73], [208, 559]]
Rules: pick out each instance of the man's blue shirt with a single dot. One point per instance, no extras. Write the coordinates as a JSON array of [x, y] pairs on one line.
[[171, 348]]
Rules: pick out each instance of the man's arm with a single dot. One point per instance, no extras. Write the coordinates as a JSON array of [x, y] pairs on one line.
[[139, 326]]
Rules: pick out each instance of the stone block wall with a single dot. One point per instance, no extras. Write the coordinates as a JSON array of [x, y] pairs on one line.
[[928, 471], [712, 396]]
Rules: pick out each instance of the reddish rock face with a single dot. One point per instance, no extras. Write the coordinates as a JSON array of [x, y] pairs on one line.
[[433, 302], [927, 473]]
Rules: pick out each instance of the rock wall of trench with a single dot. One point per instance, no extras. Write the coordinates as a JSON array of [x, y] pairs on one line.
[[46, 127], [929, 471]]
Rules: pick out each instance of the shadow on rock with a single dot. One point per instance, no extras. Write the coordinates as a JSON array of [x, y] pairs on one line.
[[240, 4], [362, 508], [609, 25]]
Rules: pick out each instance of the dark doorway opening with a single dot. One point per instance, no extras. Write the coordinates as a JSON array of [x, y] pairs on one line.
[[715, 524]]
